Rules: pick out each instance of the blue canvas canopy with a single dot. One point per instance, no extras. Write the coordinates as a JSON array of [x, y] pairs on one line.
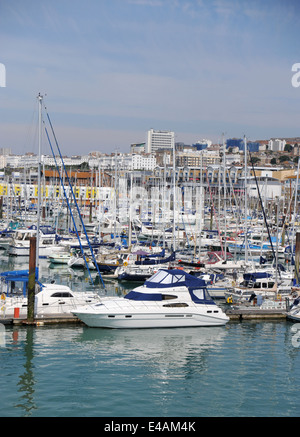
[[17, 275], [176, 278], [154, 261], [12, 276], [257, 275], [136, 295]]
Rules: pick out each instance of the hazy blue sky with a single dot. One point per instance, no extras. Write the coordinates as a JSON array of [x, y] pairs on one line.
[[112, 69]]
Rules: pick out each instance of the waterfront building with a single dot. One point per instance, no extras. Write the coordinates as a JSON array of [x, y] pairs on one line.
[[267, 187], [143, 162], [277, 144], [2, 161], [5, 151], [138, 148], [203, 144], [192, 158], [239, 142], [160, 139]]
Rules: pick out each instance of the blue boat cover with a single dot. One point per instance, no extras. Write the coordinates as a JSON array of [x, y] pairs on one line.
[[12, 276], [156, 260], [256, 275], [174, 278], [17, 275], [136, 295]]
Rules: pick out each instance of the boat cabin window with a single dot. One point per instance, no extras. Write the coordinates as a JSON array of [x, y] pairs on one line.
[[176, 305], [199, 293], [22, 236], [47, 241], [61, 294], [168, 296]]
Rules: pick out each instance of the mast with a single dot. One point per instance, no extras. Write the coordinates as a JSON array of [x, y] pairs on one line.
[[115, 202], [174, 196], [246, 206], [225, 203], [294, 219], [201, 201], [40, 99]]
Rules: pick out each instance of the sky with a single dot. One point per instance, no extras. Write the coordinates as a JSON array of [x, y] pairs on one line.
[[110, 70]]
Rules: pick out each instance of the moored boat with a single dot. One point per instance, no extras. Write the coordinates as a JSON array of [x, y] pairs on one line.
[[59, 258], [170, 298], [258, 283], [50, 298]]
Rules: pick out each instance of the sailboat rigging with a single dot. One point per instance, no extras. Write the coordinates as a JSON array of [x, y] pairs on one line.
[[67, 201]]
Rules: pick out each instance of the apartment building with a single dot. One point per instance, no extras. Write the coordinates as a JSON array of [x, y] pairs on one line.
[[159, 139]]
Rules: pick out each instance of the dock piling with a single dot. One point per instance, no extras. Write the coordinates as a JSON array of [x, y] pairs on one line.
[[31, 281]]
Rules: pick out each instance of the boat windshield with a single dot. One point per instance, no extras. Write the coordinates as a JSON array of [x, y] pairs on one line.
[[201, 295], [173, 278], [164, 277]]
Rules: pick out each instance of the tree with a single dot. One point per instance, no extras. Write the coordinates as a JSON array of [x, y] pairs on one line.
[[284, 158], [288, 148], [254, 160], [273, 161]]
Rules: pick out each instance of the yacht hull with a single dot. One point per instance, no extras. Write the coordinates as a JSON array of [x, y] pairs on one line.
[[150, 320]]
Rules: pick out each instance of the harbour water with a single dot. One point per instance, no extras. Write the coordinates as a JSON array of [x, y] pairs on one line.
[[248, 368]]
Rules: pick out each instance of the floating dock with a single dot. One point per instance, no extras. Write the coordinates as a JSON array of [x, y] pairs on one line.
[[233, 314], [256, 313], [49, 319]]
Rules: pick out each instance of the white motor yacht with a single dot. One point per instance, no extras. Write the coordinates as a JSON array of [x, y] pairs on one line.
[[20, 245], [50, 298], [169, 299]]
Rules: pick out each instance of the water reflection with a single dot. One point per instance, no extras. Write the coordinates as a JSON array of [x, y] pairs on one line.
[[174, 353], [169, 368], [26, 384]]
